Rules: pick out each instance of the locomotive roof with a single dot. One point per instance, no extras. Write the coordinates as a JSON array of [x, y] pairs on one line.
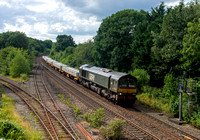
[[103, 71]]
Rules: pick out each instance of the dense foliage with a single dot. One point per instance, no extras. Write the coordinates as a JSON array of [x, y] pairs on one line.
[[113, 130], [158, 47], [64, 41], [95, 118], [75, 56], [19, 65], [114, 37], [15, 39], [14, 61], [12, 125], [142, 76], [17, 52]]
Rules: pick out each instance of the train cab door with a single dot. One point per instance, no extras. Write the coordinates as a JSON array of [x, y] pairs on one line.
[[111, 84]]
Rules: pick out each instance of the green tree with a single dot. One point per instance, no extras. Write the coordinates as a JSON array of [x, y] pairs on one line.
[[64, 41], [191, 48], [168, 44], [19, 65], [16, 39], [83, 53], [114, 36], [142, 77], [34, 46], [6, 56], [48, 44], [142, 39]]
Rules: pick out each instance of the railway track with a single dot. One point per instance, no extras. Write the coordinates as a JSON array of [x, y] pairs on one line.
[[46, 98], [133, 130], [161, 132], [40, 111]]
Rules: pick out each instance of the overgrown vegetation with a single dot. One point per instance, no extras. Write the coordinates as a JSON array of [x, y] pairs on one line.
[[113, 130], [95, 118], [142, 77], [17, 53], [167, 100], [12, 126], [157, 47], [68, 102]]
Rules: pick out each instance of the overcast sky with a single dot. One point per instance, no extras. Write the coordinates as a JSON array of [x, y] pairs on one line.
[[45, 19]]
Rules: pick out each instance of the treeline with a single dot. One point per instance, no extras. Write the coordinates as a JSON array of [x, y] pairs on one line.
[[157, 47], [17, 52], [162, 41]]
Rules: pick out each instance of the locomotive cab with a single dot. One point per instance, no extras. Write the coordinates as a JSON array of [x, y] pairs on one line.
[[127, 89]]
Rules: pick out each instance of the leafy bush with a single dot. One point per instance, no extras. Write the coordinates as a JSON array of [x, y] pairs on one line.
[[171, 87], [12, 126], [94, 118], [186, 113], [77, 110], [10, 130], [113, 130], [142, 77], [196, 119], [174, 105], [24, 77], [87, 115], [19, 65]]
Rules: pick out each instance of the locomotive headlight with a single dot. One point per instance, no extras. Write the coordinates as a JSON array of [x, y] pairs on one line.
[[120, 93]]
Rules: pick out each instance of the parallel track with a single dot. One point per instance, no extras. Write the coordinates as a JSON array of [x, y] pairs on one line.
[[171, 132], [46, 98], [131, 129], [40, 110]]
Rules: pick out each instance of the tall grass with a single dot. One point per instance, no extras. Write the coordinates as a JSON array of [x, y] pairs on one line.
[[154, 103], [12, 125]]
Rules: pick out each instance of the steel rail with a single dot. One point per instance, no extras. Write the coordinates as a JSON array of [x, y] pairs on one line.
[[35, 99], [38, 93], [57, 106], [131, 123]]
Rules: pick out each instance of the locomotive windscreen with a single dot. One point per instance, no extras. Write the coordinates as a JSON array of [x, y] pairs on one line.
[[127, 83]]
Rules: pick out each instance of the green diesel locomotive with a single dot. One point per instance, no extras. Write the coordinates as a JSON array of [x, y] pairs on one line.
[[117, 86]]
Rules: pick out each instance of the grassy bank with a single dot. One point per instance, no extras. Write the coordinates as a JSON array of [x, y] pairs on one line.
[[154, 103], [12, 125]]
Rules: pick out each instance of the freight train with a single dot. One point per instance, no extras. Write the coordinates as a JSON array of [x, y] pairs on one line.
[[119, 87]]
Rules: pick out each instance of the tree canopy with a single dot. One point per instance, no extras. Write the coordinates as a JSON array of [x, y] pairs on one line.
[[16, 39], [113, 39], [64, 41], [14, 61], [20, 65], [161, 41]]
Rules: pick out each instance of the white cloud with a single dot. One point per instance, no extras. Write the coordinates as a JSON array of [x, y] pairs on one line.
[[41, 28], [175, 3], [172, 4], [45, 19], [4, 3], [60, 28], [44, 6], [26, 28], [82, 38]]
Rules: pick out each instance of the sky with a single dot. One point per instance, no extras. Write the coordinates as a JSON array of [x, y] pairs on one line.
[[46, 19]]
